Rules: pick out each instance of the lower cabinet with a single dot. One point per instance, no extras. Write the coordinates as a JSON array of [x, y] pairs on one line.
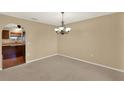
[[13, 55]]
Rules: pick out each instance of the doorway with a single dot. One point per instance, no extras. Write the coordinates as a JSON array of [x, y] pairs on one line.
[[13, 45]]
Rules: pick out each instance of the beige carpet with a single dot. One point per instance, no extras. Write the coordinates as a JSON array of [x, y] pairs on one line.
[[59, 68]]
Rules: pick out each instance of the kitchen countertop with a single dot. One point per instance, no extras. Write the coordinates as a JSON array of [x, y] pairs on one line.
[[13, 44]]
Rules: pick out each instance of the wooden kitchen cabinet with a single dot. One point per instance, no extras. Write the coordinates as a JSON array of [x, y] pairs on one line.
[[13, 55], [5, 34]]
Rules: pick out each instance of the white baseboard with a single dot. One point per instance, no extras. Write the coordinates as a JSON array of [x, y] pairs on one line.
[[120, 70], [31, 61], [41, 58]]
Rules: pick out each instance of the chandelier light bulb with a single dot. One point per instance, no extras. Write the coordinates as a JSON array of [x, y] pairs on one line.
[[56, 29], [61, 28], [68, 29]]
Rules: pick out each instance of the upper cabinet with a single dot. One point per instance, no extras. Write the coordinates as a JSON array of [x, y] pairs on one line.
[[5, 34]]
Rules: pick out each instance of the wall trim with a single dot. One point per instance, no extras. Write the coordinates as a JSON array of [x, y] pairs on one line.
[[42, 58], [112, 68]]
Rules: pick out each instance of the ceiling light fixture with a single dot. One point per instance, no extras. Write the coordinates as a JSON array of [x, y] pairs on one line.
[[62, 29]]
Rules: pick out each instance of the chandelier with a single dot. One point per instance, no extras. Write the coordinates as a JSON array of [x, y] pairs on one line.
[[62, 29]]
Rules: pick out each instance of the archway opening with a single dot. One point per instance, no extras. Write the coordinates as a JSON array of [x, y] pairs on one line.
[[13, 45]]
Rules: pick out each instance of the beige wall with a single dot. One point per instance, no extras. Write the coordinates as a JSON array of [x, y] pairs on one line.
[[41, 40], [99, 40]]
